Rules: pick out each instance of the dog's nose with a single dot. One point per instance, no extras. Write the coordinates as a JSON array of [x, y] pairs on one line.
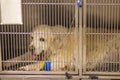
[[32, 48]]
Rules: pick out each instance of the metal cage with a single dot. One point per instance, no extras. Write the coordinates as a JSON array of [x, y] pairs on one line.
[[86, 38], [54, 17], [101, 37]]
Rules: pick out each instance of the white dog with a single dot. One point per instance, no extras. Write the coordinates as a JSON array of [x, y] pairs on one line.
[[55, 44]]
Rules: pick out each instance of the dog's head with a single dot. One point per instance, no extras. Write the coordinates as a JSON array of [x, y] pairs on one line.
[[45, 41], [40, 40]]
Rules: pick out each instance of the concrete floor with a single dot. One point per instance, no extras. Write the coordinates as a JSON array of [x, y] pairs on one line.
[[45, 79], [32, 79]]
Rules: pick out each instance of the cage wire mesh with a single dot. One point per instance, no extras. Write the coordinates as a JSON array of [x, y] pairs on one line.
[[102, 36], [21, 44]]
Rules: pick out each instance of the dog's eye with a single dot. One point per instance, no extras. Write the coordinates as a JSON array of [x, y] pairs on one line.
[[42, 39]]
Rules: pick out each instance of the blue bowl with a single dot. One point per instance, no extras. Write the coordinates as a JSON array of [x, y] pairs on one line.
[[47, 66]]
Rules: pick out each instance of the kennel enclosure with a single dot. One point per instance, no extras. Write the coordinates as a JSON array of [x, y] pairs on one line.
[[101, 36], [15, 39], [96, 24]]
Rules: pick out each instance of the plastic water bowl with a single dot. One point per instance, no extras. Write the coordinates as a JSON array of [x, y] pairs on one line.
[[47, 66]]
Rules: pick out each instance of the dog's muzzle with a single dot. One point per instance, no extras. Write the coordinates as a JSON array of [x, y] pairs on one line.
[[34, 55], [43, 55], [40, 56]]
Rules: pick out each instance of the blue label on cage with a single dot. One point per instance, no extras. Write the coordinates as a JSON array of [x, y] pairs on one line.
[[78, 3], [47, 66]]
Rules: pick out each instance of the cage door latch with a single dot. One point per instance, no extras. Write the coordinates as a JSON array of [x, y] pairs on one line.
[[68, 76]]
